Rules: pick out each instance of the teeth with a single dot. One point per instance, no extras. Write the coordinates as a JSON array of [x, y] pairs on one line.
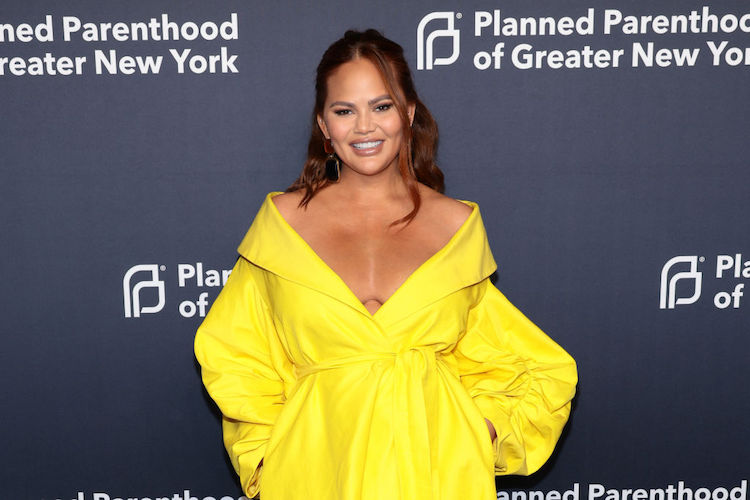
[[366, 145]]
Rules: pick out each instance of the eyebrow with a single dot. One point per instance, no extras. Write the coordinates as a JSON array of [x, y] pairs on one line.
[[369, 103]]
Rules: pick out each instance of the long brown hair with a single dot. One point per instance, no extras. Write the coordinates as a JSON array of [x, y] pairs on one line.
[[416, 159]]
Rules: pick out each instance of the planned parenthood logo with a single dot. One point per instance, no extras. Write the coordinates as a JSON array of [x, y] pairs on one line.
[[499, 38], [441, 25], [144, 288], [147, 278], [682, 282]]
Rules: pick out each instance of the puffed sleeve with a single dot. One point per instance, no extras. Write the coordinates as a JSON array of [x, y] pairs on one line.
[[520, 379], [234, 346]]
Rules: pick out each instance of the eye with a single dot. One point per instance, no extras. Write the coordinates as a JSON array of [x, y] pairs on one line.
[[342, 112], [384, 107]]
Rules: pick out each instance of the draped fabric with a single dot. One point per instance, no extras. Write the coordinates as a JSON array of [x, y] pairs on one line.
[[339, 403]]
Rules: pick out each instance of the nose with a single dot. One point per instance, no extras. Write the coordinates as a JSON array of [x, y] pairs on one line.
[[364, 123]]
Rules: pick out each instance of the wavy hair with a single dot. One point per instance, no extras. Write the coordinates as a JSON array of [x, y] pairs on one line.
[[416, 158]]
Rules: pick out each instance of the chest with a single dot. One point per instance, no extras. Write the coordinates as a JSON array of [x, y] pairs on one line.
[[373, 262]]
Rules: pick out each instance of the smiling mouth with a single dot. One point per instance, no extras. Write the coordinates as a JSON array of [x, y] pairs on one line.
[[367, 145]]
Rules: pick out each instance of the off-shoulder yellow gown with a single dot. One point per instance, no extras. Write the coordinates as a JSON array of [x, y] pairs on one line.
[[341, 404]]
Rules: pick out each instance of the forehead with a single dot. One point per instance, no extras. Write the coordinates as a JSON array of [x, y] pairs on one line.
[[357, 79]]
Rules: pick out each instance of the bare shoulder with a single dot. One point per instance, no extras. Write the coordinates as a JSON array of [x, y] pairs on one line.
[[444, 210], [288, 204]]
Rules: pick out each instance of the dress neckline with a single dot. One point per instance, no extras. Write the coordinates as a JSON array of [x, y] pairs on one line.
[[445, 248]]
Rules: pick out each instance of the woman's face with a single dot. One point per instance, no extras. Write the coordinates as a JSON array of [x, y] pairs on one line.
[[360, 119]]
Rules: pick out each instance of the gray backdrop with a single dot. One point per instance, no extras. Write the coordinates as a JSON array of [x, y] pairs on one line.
[[590, 181]]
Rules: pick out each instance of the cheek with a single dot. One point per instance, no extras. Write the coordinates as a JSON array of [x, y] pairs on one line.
[[336, 129], [394, 129], [392, 126]]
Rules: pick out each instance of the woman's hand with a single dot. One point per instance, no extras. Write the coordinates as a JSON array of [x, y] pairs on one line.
[[491, 427]]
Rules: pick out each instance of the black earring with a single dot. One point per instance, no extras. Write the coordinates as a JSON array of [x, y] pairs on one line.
[[333, 166]]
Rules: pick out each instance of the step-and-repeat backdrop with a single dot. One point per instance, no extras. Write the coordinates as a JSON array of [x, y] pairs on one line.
[[607, 143]]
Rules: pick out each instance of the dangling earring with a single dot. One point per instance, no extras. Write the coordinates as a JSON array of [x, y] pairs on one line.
[[333, 167]]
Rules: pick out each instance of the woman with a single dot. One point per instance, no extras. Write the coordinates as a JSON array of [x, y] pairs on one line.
[[359, 350]]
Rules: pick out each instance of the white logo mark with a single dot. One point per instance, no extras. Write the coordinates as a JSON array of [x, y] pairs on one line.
[[667, 295], [132, 294], [424, 46]]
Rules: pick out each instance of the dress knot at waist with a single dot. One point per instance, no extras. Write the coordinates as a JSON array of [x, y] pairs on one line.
[[405, 357]]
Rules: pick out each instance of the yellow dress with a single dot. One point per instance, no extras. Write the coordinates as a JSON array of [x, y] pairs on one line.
[[341, 404]]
